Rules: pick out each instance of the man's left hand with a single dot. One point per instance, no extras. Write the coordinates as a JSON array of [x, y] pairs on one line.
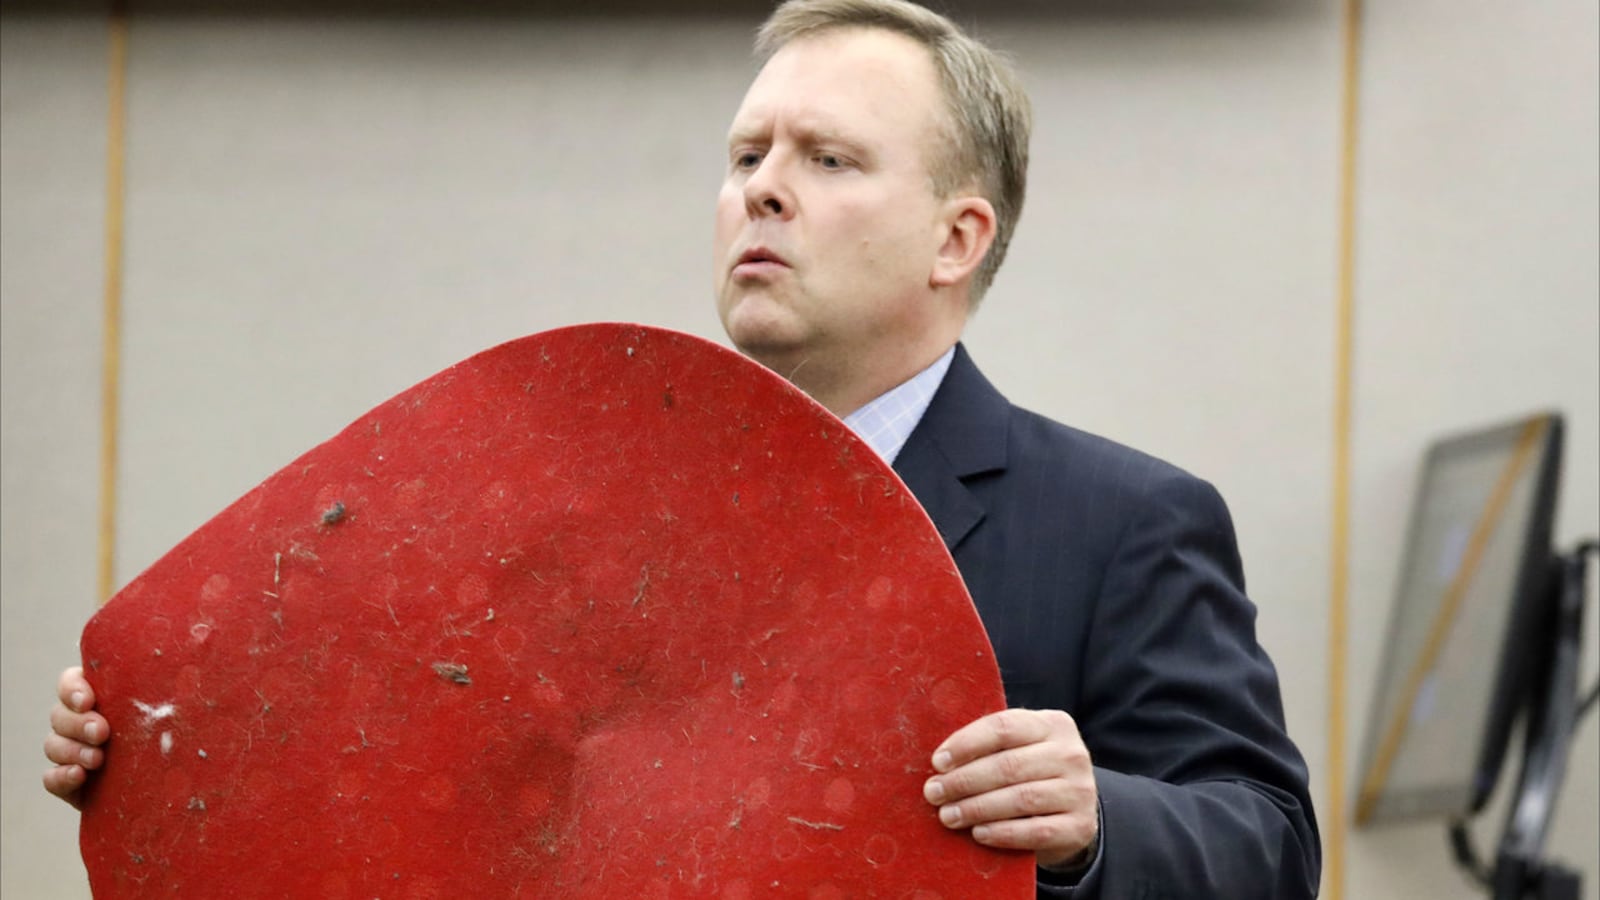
[[1020, 779]]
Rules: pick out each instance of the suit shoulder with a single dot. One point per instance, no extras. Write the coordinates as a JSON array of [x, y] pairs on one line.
[[1038, 442]]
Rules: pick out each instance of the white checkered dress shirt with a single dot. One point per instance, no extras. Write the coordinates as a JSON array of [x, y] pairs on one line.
[[886, 422]]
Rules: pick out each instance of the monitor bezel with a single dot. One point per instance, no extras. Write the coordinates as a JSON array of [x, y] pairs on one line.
[[1520, 646]]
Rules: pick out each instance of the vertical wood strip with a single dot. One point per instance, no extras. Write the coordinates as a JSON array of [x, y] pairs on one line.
[[1340, 590], [1333, 829], [110, 376]]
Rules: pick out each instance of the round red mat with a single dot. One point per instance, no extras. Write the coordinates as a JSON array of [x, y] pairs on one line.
[[603, 612]]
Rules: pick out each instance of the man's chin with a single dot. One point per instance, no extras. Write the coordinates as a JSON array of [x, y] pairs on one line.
[[763, 331]]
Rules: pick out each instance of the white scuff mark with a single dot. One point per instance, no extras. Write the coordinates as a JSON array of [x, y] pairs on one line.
[[202, 753], [153, 714], [166, 742], [818, 825]]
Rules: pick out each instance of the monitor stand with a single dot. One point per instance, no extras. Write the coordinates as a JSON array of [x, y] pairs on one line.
[[1552, 711]]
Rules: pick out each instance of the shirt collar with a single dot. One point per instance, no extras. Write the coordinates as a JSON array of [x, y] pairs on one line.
[[886, 422]]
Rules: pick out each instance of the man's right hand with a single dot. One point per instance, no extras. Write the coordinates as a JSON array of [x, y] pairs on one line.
[[77, 733]]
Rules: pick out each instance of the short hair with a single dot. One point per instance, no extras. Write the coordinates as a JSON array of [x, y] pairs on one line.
[[989, 118]]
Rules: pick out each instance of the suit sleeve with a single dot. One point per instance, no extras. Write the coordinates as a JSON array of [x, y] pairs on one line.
[[1202, 793]]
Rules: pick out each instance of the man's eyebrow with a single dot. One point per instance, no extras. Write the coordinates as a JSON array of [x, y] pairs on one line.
[[824, 136], [810, 135], [748, 132]]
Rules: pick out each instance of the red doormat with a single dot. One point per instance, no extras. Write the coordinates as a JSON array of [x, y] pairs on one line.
[[605, 612]]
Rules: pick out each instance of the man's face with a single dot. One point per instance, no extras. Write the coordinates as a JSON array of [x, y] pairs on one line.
[[827, 224]]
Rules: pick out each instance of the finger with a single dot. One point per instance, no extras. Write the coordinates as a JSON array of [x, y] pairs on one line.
[[74, 691], [89, 728], [1034, 762], [1051, 797], [67, 752], [65, 782], [1061, 836], [1000, 731]]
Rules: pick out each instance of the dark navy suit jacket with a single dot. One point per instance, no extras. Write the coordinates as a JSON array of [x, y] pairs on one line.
[[1111, 587]]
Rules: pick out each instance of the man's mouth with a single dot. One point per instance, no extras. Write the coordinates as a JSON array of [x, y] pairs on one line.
[[759, 259]]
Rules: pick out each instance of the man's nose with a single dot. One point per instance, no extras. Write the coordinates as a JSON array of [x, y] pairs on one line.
[[766, 191]]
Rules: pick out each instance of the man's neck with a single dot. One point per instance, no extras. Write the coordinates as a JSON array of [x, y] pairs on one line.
[[844, 392], [859, 376]]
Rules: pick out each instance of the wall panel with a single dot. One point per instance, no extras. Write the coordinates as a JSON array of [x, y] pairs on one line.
[[1477, 302], [52, 210]]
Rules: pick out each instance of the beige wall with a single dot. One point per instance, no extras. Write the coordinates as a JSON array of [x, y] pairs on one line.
[[52, 204], [1479, 300], [322, 212]]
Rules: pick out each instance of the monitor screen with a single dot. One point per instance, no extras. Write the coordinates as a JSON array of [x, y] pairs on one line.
[[1466, 622]]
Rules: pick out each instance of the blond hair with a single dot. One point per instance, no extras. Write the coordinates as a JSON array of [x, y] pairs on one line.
[[989, 118]]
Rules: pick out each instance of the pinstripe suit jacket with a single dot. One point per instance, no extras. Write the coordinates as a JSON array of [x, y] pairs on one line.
[[1111, 587]]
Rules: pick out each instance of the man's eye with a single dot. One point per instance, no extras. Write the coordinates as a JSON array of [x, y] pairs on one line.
[[829, 161], [747, 160]]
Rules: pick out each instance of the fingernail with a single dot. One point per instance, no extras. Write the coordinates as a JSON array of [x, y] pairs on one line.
[[86, 756], [980, 833], [933, 791], [950, 816], [941, 761], [77, 700], [91, 730]]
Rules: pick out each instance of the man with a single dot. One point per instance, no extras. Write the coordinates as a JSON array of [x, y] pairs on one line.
[[875, 174]]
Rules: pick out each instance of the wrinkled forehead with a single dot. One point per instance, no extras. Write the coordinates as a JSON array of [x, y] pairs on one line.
[[847, 80]]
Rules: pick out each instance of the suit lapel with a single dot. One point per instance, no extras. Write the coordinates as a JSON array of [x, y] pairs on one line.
[[962, 434]]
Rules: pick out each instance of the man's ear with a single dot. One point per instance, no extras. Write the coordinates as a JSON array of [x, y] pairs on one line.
[[969, 227]]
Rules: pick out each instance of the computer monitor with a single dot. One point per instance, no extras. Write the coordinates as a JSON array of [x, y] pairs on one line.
[[1468, 623]]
